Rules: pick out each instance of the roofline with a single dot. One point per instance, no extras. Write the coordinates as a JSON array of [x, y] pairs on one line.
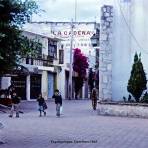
[[42, 35], [52, 22]]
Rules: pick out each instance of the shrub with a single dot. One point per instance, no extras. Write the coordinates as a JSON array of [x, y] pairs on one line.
[[124, 99], [137, 81], [145, 98]]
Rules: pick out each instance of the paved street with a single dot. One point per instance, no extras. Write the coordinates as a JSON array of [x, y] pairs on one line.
[[79, 126]]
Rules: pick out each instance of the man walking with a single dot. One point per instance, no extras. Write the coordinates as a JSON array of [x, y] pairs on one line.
[[94, 98]]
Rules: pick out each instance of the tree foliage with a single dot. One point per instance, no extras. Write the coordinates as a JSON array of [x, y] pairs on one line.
[[13, 14], [17, 12], [80, 65], [137, 82]]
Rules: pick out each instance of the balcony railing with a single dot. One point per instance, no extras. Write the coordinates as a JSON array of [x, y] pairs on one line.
[[44, 61]]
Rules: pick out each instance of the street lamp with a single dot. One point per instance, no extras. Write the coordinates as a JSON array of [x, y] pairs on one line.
[[95, 40], [95, 43]]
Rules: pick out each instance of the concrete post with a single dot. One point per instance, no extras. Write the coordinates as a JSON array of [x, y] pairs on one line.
[[44, 84], [28, 87]]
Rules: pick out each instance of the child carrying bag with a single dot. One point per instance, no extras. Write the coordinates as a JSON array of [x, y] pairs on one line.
[[45, 105]]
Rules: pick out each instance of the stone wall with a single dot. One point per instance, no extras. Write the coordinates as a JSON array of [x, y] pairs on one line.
[[123, 109], [105, 56]]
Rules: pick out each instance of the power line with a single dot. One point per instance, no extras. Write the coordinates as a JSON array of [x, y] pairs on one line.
[[129, 28]]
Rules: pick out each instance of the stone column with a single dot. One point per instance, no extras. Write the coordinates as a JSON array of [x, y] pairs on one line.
[[105, 57], [28, 87]]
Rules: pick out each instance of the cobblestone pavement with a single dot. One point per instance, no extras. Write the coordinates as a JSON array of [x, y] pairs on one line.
[[78, 127]]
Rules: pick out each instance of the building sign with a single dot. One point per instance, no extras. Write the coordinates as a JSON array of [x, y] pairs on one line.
[[76, 33], [82, 33]]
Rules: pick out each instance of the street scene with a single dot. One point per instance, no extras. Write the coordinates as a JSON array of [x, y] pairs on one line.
[[73, 73], [78, 126]]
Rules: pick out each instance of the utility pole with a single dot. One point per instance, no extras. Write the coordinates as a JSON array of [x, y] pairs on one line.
[[75, 10], [71, 61], [71, 52]]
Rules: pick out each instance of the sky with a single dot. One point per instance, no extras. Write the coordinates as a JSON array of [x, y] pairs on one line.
[[64, 10]]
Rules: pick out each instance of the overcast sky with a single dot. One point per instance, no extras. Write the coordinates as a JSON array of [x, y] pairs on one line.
[[64, 10]]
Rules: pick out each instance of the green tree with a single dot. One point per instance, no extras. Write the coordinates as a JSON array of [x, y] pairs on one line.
[[13, 45], [137, 82]]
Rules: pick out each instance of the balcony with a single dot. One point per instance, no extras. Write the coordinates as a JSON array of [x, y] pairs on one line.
[[40, 61]]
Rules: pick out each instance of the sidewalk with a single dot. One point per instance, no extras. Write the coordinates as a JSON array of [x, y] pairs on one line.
[[78, 127]]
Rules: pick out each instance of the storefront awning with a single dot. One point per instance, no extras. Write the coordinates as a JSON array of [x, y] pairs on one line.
[[15, 71]]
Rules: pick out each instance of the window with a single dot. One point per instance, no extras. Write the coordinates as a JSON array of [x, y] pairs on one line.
[[61, 56], [52, 49], [85, 44], [29, 61], [39, 53]]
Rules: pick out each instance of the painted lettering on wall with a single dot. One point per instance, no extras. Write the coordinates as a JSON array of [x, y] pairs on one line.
[[77, 33]]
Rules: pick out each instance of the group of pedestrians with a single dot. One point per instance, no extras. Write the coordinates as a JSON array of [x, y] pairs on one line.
[[42, 103], [43, 106], [15, 101]]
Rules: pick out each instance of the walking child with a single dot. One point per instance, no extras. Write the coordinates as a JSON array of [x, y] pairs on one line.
[[42, 105], [58, 101], [15, 105]]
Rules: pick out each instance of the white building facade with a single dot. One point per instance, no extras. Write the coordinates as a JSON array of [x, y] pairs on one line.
[[44, 70], [82, 31]]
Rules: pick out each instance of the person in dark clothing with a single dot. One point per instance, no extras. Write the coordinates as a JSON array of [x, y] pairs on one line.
[[42, 105], [58, 101], [94, 98], [11, 90], [15, 105]]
